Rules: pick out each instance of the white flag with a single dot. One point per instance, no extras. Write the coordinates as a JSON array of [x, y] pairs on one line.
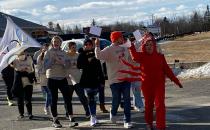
[[14, 41]]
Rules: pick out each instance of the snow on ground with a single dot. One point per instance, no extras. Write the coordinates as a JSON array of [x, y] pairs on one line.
[[200, 72]]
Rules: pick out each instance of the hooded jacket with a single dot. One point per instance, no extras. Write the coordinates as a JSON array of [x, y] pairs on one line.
[[154, 67], [92, 75]]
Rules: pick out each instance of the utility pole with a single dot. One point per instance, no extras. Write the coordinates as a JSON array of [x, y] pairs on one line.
[[153, 19]]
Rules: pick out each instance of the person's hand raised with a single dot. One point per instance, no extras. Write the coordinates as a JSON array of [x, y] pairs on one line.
[[97, 42]]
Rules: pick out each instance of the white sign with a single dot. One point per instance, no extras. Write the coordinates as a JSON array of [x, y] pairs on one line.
[[95, 30], [137, 35]]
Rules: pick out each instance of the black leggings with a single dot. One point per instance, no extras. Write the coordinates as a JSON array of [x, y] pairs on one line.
[[9, 83], [81, 94], [62, 85], [27, 96]]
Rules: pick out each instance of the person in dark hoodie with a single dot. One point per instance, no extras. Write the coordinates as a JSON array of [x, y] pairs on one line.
[[92, 76]]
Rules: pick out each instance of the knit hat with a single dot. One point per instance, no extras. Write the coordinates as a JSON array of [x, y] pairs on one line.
[[86, 41], [115, 35]]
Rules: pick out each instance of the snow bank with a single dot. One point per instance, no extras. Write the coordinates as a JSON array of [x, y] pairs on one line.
[[200, 72]]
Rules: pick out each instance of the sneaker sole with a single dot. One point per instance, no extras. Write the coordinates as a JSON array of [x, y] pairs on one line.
[[56, 126], [75, 124], [93, 125]]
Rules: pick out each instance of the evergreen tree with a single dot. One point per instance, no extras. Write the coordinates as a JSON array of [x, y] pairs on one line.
[[207, 19], [93, 22], [58, 28]]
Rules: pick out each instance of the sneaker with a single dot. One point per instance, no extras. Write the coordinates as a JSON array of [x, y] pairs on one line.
[[140, 109], [46, 110], [96, 121], [127, 125], [113, 119], [56, 124], [10, 103], [20, 116], [73, 123], [30, 116], [92, 121]]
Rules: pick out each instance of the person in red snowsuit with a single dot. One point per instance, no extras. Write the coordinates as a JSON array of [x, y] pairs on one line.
[[154, 69]]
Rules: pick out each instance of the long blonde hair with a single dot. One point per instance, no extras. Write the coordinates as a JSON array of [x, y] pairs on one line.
[[56, 37]]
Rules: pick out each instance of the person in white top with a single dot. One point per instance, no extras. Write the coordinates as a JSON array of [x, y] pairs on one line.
[[56, 62], [23, 88], [73, 77], [43, 79], [112, 55]]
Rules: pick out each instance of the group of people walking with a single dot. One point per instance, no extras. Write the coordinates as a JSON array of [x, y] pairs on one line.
[[82, 72]]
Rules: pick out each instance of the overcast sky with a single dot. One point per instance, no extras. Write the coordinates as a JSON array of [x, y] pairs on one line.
[[71, 12]]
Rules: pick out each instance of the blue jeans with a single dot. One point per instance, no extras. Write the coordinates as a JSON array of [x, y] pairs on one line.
[[48, 97], [92, 96], [124, 89], [136, 89]]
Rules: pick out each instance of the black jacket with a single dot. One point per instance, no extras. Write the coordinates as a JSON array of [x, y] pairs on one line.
[[92, 75], [17, 89], [8, 72]]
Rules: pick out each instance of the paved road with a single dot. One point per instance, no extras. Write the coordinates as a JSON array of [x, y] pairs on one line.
[[187, 109]]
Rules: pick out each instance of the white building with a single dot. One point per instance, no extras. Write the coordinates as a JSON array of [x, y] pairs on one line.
[[156, 30]]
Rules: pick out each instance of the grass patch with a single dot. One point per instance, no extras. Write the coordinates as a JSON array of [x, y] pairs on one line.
[[187, 51]]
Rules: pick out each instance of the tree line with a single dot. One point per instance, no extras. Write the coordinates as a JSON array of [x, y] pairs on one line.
[[197, 22]]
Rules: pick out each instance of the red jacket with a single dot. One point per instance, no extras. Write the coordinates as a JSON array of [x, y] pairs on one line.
[[154, 67]]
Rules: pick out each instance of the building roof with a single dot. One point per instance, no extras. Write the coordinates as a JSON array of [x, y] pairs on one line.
[[24, 24]]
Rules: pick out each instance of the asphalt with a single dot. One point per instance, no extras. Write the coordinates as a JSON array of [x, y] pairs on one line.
[[187, 109]]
